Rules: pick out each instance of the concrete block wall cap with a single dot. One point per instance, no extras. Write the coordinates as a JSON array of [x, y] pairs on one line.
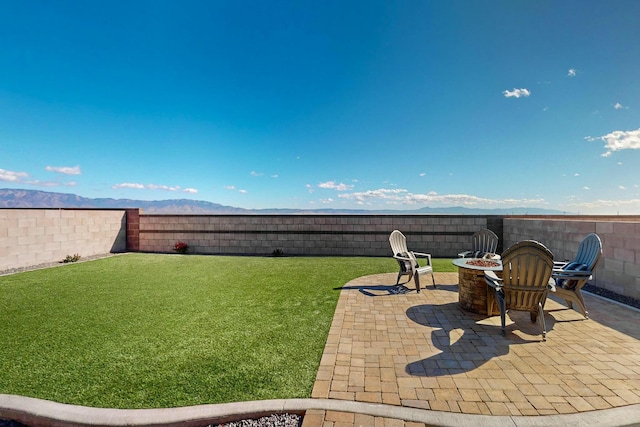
[[43, 413]]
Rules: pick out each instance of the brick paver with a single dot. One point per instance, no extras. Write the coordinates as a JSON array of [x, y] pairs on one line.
[[424, 351]]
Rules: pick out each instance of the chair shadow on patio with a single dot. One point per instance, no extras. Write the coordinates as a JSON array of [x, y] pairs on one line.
[[378, 290], [467, 341]]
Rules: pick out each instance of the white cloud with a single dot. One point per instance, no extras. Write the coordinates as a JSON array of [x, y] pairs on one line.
[[22, 177], [380, 194], [234, 188], [517, 93], [618, 106], [404, 197], [254, 173], [12, 176], [274, 176], [310, 188], [423, 174], [332, 185], [162, 187], [576, 174], [137, 186], [327, 201], [619, 140], [586, 188], [630, 206], [65, 170], [128, 185], [572, 72], [622, 187]]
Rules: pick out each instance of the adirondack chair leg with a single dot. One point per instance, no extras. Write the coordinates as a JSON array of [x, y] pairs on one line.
[[503, 311], [434, 281], [398, 279], [579, 300], [581, 306], [416, 278], [491, 300], [543, 326]]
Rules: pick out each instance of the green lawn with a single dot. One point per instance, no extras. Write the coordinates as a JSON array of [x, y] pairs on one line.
[[144, 330]]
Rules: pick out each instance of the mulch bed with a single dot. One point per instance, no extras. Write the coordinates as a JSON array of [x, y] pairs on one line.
[[275, 420], [605, 293], [52, 264]]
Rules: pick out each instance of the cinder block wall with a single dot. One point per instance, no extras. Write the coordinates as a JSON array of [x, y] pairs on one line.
[[619, 267], [35, 236], [31, 237], [336, 235]]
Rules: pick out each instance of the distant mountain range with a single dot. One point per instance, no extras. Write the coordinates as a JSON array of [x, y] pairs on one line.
[[10, 198]]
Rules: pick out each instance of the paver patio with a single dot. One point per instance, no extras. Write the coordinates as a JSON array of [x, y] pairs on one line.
[[424, 351]]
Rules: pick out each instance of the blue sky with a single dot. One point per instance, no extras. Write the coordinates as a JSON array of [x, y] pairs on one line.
[[325, 104]]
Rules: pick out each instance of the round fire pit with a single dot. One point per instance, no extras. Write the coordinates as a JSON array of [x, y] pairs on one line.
[[474, 294]]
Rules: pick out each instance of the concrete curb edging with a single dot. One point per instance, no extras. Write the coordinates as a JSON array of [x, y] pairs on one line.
[[44, 413]]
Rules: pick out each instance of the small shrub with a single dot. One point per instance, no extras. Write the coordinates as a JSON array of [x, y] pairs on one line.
[[71, 258], [181, 247], [277, 252]]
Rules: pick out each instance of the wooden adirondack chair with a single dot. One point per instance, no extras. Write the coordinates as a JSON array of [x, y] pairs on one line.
[[526, 270]]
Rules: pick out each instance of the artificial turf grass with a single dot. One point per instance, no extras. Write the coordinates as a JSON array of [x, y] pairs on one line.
[[143, 330]]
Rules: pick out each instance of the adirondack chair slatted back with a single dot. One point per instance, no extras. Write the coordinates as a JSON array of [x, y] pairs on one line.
[[398, 242], [485, 241], [589, 251], [526, 270]]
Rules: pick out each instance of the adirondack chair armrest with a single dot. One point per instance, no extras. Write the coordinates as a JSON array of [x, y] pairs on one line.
[[405, 262], [559, 265], [401, 258], [422, 255], [564, 275], [493, 280], [478, 254], [572, 275], [572, 270]]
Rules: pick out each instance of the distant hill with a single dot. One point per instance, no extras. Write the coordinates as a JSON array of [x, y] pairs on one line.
[[10, 198], [44, 199]]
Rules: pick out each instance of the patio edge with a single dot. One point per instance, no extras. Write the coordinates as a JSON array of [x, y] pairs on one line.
[[44, 413]]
